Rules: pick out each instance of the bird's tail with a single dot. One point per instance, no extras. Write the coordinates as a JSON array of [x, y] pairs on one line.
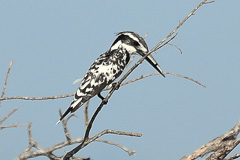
[[64, 115], [73, 107]]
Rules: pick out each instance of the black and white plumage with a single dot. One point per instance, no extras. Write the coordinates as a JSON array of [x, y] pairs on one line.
[[109, 66]]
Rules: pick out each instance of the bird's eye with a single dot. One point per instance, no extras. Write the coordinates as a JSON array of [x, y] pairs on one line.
[[136, 43]]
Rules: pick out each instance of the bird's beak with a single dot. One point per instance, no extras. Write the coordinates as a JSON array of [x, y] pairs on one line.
[[153, 62]]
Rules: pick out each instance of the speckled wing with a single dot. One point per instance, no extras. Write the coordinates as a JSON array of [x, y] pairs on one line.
[[101, 73]]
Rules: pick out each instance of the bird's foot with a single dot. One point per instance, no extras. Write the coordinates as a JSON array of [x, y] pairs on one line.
[[115, 85]]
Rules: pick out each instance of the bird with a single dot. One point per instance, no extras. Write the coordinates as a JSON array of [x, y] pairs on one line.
[[108, 67]]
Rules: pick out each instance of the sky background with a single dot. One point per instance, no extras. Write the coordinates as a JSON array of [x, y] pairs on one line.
[[53, 43]]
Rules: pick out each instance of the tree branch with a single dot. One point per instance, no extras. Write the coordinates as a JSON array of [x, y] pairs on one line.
[[28, 153], [86, 119], [221, 146], [233, 157], [64, 124], [6, 80], [13, 126], [154, 74], [176, 47], [130, 152], [8, 115], [37, 98], [180, 24]]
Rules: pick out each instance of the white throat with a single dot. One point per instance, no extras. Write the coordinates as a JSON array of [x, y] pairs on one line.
[[128, 48]]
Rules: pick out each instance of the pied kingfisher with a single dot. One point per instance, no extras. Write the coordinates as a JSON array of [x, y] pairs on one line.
[[109, 67]]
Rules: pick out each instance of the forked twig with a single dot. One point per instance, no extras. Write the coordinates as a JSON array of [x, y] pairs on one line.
[[64, 124]]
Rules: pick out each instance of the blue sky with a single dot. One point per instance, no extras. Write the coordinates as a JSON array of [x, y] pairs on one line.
[[53, 43]]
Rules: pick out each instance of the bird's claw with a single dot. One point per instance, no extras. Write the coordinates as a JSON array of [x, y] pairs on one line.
[[115, 85]]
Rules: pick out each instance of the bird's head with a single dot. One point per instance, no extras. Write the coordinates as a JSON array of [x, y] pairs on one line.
[[134, 44], [131, 42]]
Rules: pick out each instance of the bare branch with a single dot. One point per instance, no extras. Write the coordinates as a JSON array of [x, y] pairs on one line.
[[37, 98], [233, 157], [154, 74], [179, 25], [221, 146], [13, 126], [165, 43], [6, 80], [87, 140], [32, 142], [64, 124], [86, 135], [108, 88], [145, 36], [130, 152], [110, 131], [229, 144], [210, 2], [30, 132], [176, 47], [8, 115], [28, 153], [188, 78], [86, 113]]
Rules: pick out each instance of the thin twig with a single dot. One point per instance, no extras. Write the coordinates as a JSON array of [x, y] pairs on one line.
[[210, 2], [188, 78], [145, 36], [233, 157], [13, 126], [130, 152], [64, 124], [86, 119], [154, 74], [165, 43], [108, 88], [179, 25], [37, 98], [8, 115], [110, 131], [6, 80], [176, 47]]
